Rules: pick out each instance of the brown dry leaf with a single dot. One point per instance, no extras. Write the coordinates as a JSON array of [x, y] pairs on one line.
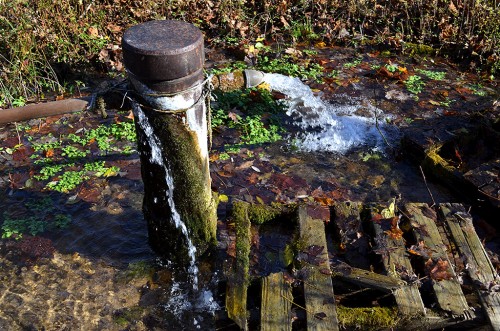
[[93, 32], [233, 117], [253, 178], [244, 165], [395, 233], [438, 270], [377, 218], [453, 8]]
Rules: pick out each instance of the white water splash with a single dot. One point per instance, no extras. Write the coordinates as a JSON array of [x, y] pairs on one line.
[[327, 127], [156, 157]]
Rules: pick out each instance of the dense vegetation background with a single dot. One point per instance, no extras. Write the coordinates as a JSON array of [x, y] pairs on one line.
[[42, 40]]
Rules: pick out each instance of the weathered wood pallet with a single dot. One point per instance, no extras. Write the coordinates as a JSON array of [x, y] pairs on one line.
[[440, 236], [478, 265], [426, 142]]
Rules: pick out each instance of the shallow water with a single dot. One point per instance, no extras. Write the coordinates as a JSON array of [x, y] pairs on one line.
[[100, 273]]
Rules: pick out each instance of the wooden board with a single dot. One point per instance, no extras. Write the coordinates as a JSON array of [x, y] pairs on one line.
[[448, 292], [318, 290], [478, 265], [352, 241], [487, 180], [391, 248], [369, 279], [275, 312]]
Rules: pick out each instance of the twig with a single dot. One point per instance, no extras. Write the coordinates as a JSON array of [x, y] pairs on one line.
[[428, 189], [18, 135]]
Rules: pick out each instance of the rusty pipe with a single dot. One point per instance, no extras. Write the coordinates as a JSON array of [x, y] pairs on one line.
[[44, 109]]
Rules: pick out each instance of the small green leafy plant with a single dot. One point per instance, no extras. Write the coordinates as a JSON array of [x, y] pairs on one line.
[[414, 84], [434, 75], [40, 215]]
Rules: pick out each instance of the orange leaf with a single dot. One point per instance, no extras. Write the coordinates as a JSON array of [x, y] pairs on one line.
[[49, 153]]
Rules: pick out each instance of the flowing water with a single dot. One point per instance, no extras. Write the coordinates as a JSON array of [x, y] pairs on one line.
[[325, 126], [97, 275], [157, 157]]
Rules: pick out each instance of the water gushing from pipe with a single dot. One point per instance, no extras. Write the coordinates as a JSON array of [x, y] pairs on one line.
[[157, 158]]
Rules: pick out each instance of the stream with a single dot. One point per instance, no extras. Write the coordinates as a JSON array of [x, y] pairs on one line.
[[99, 273]]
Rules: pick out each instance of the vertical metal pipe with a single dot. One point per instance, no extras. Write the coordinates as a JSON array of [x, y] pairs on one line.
[[164, 60]]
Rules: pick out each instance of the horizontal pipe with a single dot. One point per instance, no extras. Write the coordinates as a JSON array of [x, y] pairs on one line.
[[44, 109]]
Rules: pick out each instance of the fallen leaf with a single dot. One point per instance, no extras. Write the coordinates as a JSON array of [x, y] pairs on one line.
[[223, 198], [438, 269]]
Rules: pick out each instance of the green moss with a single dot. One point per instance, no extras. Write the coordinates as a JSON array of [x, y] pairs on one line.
[[260, 214], [127, 316], [242, 224], [193, 196], [364, 318], [419, 49]]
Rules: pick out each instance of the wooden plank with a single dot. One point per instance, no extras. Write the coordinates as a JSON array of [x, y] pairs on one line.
[[486, 178], [318, 290], [391, 247], [478, 265], [448, 292], [275, 312], [352, 241], [238, 276], [368, 279]]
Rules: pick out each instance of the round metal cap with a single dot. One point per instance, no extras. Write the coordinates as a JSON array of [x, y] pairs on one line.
[[163, 50]]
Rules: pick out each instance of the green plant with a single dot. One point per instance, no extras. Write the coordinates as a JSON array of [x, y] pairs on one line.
[[414, 84], [354, 63], [67, 181], [286, 66], [224, 156], [48, 171], [435, 75], [73, 152], [391, 67], [478, 89], [255, 132]]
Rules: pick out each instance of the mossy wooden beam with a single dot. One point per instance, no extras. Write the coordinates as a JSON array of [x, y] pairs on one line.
[[275, 312], [448, 292], [318, 290], [479, 266], [238, 278]]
